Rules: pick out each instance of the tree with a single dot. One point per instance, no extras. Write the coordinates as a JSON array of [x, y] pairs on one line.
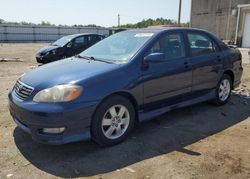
[[1, 21], [153, 22], [46, 23]]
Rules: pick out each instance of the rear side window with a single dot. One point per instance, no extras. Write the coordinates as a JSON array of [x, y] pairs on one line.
[[172, 45], [201, 44]]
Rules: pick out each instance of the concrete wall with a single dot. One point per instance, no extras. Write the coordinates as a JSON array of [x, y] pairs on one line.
[[216, 16], [23, 33]]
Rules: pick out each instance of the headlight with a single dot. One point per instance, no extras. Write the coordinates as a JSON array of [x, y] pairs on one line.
[[59, 93]]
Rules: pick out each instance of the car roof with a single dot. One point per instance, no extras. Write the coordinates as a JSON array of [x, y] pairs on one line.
[[82, 34], [159, 29]]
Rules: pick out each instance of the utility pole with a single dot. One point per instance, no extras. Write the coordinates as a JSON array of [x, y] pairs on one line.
[[118, 20], [179, 17]]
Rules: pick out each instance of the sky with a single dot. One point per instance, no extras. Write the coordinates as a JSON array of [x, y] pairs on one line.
[[99, 12]]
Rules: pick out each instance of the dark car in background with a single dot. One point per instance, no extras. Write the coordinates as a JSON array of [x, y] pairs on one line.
[[67, 46], [129, 77]]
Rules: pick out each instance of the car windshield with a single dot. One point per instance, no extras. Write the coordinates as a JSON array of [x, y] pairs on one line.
[[62, 41], [118, 48]]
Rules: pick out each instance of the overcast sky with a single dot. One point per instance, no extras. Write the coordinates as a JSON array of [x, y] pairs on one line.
[[99, 12]]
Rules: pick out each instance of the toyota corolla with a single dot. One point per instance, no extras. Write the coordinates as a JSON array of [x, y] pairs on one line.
[[127, 78]]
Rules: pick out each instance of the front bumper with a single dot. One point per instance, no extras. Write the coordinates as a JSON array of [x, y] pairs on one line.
[[32, 117], [41, 59], [46, 58]]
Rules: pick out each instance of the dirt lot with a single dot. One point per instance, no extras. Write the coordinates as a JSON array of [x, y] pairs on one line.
[[201, 141]]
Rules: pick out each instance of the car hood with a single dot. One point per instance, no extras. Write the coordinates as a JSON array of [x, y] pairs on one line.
[[65, 71], [47, 49]]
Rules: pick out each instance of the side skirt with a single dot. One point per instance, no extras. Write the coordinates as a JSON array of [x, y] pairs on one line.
[[145, 116]]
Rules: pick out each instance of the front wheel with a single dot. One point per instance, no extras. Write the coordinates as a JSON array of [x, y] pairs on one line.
[[113, 121], [223, 90]]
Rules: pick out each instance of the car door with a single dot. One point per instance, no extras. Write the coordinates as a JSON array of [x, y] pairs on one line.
[[171, 78], [79, 44], [206, 60]]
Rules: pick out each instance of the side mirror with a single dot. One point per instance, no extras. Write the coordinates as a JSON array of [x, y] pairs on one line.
[[69, 45], [155, 58]]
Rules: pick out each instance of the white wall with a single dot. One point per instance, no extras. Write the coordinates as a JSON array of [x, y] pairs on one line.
[[21, 33]]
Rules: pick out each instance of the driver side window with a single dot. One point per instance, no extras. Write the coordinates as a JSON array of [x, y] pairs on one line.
[[172, 45], [79, 42]]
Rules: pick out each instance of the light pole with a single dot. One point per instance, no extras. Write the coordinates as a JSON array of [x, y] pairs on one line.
[[118, 20], [179, 16]]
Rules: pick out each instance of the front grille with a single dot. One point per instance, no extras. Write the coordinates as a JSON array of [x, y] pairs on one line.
[[22, 90]]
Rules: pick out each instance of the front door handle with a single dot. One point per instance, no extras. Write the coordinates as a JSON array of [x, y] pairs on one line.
[[218, 59], [186, 64]]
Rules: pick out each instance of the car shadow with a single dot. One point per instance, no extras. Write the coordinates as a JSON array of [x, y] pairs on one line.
[[171, 132]]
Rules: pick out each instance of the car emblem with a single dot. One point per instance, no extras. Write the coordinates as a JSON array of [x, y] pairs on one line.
[[20, 88]]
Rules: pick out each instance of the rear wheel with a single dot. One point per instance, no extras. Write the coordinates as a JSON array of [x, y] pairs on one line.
[[113, 121], [223, 90]]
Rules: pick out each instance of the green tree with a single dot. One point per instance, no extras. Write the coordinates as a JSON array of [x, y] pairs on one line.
[[46, 23], [153, 22], [1, 21]]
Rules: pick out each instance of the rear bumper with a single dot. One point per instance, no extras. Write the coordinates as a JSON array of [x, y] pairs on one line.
[[237, 77], [33, 117]]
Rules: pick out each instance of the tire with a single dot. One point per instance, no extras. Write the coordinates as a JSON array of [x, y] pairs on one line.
[[108, 126], [223, 90]]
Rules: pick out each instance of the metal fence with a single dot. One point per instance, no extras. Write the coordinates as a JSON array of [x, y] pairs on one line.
[[28, 33]]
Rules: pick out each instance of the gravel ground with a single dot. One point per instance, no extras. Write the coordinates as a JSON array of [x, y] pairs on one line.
[[202, 141]]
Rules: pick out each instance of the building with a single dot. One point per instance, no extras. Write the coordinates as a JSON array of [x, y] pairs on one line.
[[228, 19]]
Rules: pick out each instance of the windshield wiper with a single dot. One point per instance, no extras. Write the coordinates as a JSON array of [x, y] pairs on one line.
[[103, 60], [93, 58], [84, 57]]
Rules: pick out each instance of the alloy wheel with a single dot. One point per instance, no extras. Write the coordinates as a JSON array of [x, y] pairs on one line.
[[224, 90], [115, 121]]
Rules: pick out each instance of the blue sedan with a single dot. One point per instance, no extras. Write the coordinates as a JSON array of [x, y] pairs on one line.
[[129, 77]]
